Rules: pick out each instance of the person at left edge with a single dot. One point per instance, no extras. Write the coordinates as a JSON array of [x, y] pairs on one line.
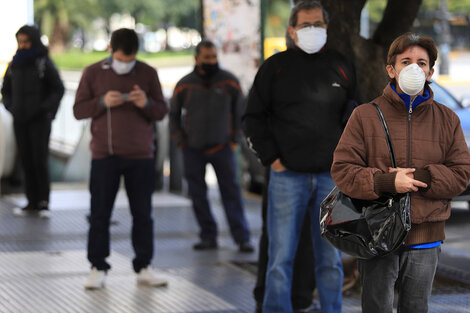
[[121, 145], [205, 122], [32, 90]]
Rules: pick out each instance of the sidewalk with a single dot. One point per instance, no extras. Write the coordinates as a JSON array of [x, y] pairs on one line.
[[43, 262]]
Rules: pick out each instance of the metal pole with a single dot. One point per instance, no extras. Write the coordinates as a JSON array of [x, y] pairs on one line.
[[264, 13], [201, 18], [365, 27], [30, 12], [445, 38]]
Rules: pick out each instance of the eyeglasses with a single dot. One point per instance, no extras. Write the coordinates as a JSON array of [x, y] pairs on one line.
[[316, 25]]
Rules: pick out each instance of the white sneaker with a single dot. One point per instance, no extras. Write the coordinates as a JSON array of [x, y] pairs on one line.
[[95, 280], [147, 276], [19, 212], [26, 211], [44, 214]]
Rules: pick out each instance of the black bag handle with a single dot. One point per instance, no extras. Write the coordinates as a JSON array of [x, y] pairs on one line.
[[387, 134]]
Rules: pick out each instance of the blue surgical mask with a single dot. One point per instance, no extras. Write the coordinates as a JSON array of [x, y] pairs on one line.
[[122, 68]]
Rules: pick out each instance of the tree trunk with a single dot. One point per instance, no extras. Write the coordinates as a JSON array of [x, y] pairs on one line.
[[58, 37], [368, 55]]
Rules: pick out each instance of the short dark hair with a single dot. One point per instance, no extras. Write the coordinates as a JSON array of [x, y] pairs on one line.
[[403, 42], [204, 44], [34, 36], [294, 13], [126, 40]]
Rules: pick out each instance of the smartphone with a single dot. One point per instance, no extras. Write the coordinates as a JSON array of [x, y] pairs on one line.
[[125, 96]]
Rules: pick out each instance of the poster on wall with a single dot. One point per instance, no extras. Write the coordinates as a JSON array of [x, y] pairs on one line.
[[234, 26]]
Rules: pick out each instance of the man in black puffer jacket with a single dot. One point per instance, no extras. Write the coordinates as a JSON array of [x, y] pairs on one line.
[[296, 112], [32, 90], [205, 122]]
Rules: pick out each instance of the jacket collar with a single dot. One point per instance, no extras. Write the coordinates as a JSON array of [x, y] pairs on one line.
[[302, 52], [106, 64], [413, 101], [398, 102]]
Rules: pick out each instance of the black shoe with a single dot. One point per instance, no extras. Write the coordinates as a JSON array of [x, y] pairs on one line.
[[206, 245], [246, 247]]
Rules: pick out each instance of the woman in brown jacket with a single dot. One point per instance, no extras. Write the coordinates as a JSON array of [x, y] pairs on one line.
[[433, 165]]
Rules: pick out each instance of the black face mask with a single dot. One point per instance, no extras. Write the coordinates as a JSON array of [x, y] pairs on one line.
[[210, 69]]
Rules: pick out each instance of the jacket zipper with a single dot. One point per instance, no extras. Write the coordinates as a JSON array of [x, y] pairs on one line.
[[410, 111], [110, 131]]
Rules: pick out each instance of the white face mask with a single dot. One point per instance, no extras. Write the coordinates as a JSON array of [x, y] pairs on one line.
[[122, 68], [411, 79], [311, 39]]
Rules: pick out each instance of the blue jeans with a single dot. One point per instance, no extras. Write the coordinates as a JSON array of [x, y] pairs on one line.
[[411, 270], [290, 195]]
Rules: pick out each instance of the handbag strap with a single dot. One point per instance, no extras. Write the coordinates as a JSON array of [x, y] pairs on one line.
[[387, 135]]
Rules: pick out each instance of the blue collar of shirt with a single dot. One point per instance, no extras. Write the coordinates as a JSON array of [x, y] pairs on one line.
[[406, 98]]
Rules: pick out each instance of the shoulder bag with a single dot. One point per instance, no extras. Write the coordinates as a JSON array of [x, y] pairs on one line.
[[366, 228]]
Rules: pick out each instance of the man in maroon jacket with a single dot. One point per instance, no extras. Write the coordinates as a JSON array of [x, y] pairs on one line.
[[123, 97]]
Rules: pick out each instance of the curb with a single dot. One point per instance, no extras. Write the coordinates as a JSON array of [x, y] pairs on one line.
[[453, 264]]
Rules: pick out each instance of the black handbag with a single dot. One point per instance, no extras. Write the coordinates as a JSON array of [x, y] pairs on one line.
[[366, 228]]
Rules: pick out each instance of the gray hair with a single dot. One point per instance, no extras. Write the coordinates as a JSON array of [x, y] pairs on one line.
[[294, 13]]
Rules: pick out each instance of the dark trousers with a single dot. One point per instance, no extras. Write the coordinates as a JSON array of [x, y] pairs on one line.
[[411, 271], [223, 162], [32, 139], [139, 181], [303, 283]]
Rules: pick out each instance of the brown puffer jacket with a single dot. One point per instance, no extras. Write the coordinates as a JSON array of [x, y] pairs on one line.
[[429, 139]]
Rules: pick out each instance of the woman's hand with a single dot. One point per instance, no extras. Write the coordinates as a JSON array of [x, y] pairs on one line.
[[404, 181]]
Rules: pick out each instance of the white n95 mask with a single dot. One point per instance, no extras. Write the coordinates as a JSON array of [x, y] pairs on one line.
[[311, 39], [122, 68], [411, 79]]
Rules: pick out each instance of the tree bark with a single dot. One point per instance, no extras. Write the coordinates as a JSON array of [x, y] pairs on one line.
[[398, 18], [368, 55], [58, 37]]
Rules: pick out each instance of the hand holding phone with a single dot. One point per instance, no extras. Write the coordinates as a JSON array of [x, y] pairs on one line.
[[138, 97], [112, 98], [125, 96]]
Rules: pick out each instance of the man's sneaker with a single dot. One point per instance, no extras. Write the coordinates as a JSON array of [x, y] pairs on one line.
[[27, 210], [43, 209], [95, 280], [147, 276], [44, 213]]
